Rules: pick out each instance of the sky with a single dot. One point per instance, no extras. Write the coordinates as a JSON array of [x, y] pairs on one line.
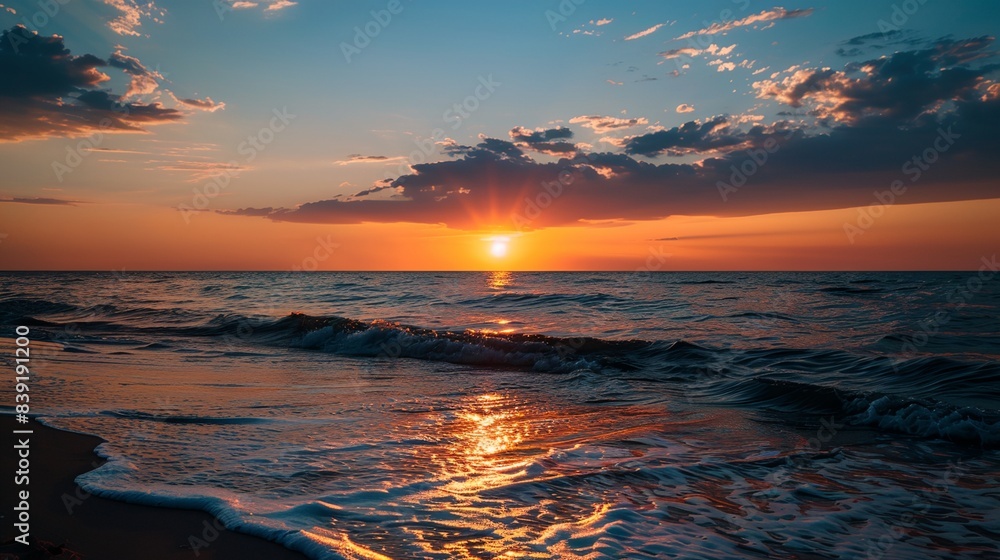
[[549, 135]]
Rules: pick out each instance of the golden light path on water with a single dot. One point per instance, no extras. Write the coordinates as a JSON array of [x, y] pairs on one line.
[[498, 442]]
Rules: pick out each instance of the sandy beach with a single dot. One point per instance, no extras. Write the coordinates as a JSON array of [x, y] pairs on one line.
[[68, 523]]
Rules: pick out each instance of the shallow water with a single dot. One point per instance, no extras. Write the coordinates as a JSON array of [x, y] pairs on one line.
[[464, 415]]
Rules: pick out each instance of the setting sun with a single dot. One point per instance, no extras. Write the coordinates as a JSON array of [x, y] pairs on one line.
[[499, 247]]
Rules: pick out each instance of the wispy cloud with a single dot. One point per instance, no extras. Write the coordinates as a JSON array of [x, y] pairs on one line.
[[601, 124], [39, 200], [279, 5], [199, 170], [773, 14], [645, 32], [131, 14], [206, 104], [358, 158]]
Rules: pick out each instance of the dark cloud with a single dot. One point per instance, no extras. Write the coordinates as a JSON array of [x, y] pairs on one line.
[[899, 87], [875, 132], [46, 91], [258, 212], [690, 137], [521, 134], [554, 148], [32, 65], [129, 64], [40, 200], [862, 44]]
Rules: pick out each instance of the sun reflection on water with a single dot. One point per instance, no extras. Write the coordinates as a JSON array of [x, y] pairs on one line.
[[498, 280], [484, 452]]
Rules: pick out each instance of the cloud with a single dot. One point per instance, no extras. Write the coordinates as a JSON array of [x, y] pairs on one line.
[[723, 66], [690, 137], [46, 91], [553, 148], [269, 6], [206, 104], [857, 46], [685, 108], [358, 158], [199, 170], [681, 52], [115, 151], [131, 14], [773, 14], [489, 189], [837, 164], [645, 32], [259, 212], [900, 86], [521, 134], [45, 201], [601, 125], [276, 5], [691, 52], [541, 139], [603, 21], [143, 80]]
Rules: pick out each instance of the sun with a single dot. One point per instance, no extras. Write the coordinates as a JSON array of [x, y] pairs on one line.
[[499, 247]]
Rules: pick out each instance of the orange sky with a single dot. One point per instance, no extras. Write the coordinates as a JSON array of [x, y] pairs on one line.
[[139, 237]]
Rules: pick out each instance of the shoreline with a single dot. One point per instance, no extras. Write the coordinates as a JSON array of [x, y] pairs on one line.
[[68, 523]]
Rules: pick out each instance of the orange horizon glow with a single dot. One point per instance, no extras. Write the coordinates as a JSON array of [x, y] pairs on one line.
[[138, 237]]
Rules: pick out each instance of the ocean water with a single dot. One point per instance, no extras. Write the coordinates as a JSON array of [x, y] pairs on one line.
[[537, 415]]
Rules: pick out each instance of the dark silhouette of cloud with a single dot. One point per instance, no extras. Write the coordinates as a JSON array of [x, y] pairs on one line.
[[863, 44], [925, 118], [899, 86], [45, 91], [521, 134], [690, 137], [41, 200]]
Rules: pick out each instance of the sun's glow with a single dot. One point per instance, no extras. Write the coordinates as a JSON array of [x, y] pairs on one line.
[[499, 247]]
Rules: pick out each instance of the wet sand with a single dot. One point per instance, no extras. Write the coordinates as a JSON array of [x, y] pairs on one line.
[[68, 523]]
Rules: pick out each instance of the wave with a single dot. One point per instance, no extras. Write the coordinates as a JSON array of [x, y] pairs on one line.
[[167, 419], [936, 396]]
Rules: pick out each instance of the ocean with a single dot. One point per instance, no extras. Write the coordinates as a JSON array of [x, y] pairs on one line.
[[536, 415]]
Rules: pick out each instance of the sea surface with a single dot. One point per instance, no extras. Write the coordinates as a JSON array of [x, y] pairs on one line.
[[536, 415]]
